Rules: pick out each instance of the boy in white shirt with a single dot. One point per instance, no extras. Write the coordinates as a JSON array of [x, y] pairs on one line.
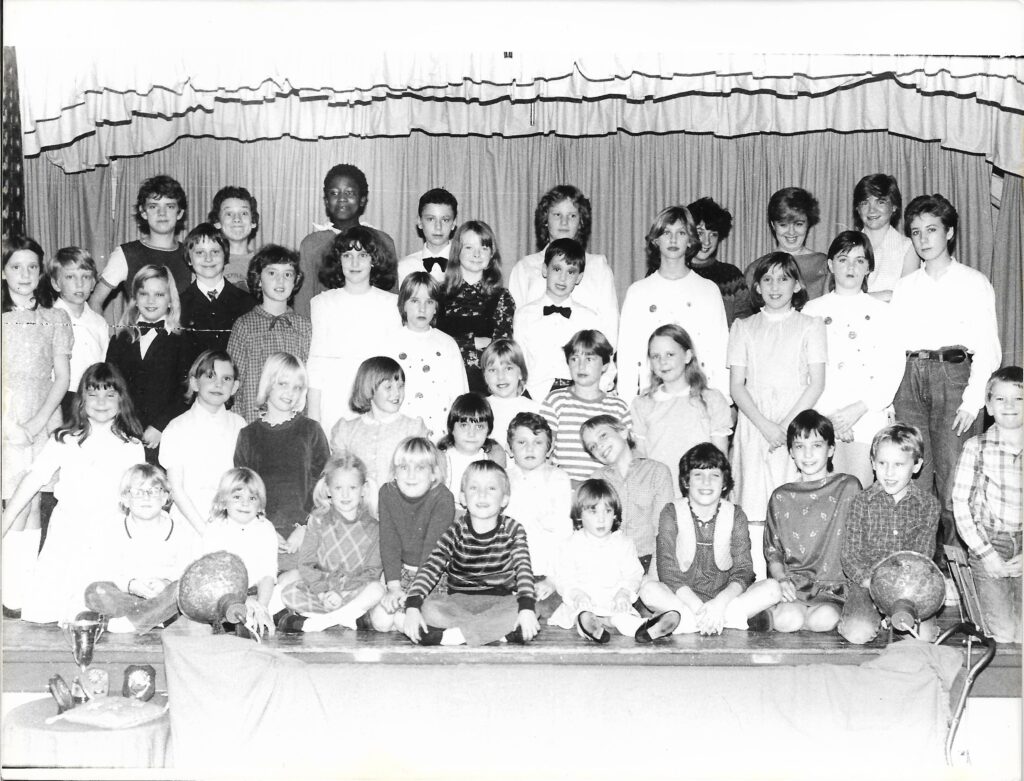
[[543, 326], [73, 275], [435, 224]]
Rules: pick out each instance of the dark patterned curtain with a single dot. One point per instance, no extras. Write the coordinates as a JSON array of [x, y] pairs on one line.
[[13, 168]]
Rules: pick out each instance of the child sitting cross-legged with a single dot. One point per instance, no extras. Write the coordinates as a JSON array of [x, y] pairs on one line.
[[490, 582], [145, 556], [598, 573], [339, 561], [987, 505], [804, 530], [891, 515], [703, 553], [541, 495]]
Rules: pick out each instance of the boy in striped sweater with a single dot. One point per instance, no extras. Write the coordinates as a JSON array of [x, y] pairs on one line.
[[490, 581]]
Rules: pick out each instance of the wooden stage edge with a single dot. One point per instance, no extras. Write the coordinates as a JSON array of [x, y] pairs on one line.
[[32, 653]]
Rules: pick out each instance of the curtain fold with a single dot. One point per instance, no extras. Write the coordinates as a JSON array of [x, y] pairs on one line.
[[1006, 269], [126, 106], [13, 163]]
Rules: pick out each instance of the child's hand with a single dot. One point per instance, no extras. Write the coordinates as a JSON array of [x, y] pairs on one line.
[[294, 541], [331, 600], [413, 624], [580, 601], [528, 624], [621, 603], [151, 437], [257, 618], [788, 590], [711, 617], [962, 421], [774, 434], [147, 588], [844, 418], [544, 589], [394, 600]]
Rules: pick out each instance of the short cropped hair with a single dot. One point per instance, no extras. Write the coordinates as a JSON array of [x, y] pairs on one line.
[[665, 218], [590, 424], [589, 341], [1011, 374], [272, 255], [810, 422], [570, 250], [937, 206], [906, 438], [715, 218], [416, 451], [486, 466], [280, 365], [370, 374], [73, 258], [144, 476], [788, 264], [591, 493], [240, 193], [554, 196], [704, 456], [534, 423], [438, 195], [410, 285], [382, 268], [877, 186], [351, 172], [161, 186], [207, 231], [204, 366], [790, 201]]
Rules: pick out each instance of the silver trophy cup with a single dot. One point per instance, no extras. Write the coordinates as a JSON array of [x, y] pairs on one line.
[[82, 635]]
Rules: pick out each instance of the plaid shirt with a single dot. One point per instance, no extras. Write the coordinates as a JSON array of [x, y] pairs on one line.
[[987, 493], [644, 492], [878, 526]]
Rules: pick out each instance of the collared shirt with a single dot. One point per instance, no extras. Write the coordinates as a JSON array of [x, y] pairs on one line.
[[92, 335], [414, 262], [987, 492], [206, 290], [644, 492], [542, 337], [878, 526], [958, 308], [159, 548], [146, 340]]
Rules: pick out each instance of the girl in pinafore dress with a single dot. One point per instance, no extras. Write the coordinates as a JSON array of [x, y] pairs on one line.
[[37, 341], [777, 368]]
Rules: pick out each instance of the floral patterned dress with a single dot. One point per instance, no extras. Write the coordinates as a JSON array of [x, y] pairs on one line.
[[474, 312]]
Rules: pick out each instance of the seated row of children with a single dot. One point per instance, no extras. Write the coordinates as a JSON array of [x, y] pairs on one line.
[[823, 538]]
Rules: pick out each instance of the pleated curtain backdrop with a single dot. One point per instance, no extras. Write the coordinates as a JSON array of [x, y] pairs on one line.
[[499, 180], [13, 166]]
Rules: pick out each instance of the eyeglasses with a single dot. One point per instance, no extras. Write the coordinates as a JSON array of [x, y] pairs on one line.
[[146, 493]]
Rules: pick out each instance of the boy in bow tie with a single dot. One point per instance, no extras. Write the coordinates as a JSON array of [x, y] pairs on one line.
[[435, 224]]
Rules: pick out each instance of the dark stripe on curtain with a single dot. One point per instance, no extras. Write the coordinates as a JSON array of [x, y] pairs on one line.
[[13, 164]]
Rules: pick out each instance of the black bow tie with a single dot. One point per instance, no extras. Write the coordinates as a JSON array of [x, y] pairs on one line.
[[145, 327], [564, 311], [429, 263]]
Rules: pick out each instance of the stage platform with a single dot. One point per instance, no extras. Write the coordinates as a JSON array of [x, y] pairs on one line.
[[32, 653]]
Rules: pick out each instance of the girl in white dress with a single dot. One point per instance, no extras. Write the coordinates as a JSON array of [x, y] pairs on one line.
[[777, 368], [877, 206], [505, 373], [353, 321], [865, 363]]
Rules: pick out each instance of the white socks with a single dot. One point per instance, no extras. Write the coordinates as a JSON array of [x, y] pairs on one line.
[[343, 616]]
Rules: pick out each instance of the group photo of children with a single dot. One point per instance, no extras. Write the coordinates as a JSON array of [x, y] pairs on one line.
[[431, 441]]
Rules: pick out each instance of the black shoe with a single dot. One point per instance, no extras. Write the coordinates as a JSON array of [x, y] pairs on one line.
[[241, 630], [516, 637], [432, 636], [761, 622], [657, 626], [11, 612], [600, 637], [290, 623], [363, 623]]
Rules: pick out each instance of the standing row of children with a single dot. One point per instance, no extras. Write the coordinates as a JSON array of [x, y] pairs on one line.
[[768, 391]]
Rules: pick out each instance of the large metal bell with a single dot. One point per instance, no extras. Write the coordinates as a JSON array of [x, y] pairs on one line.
[[907, 587], [211, 582]]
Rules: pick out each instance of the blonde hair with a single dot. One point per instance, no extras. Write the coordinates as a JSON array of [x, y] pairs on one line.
[[417, 451], [143, 476], [280, 365], [172, 320], [231, 481], [345, 462]]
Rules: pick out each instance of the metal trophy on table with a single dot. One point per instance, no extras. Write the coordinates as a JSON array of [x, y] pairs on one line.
[[82, 634]]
